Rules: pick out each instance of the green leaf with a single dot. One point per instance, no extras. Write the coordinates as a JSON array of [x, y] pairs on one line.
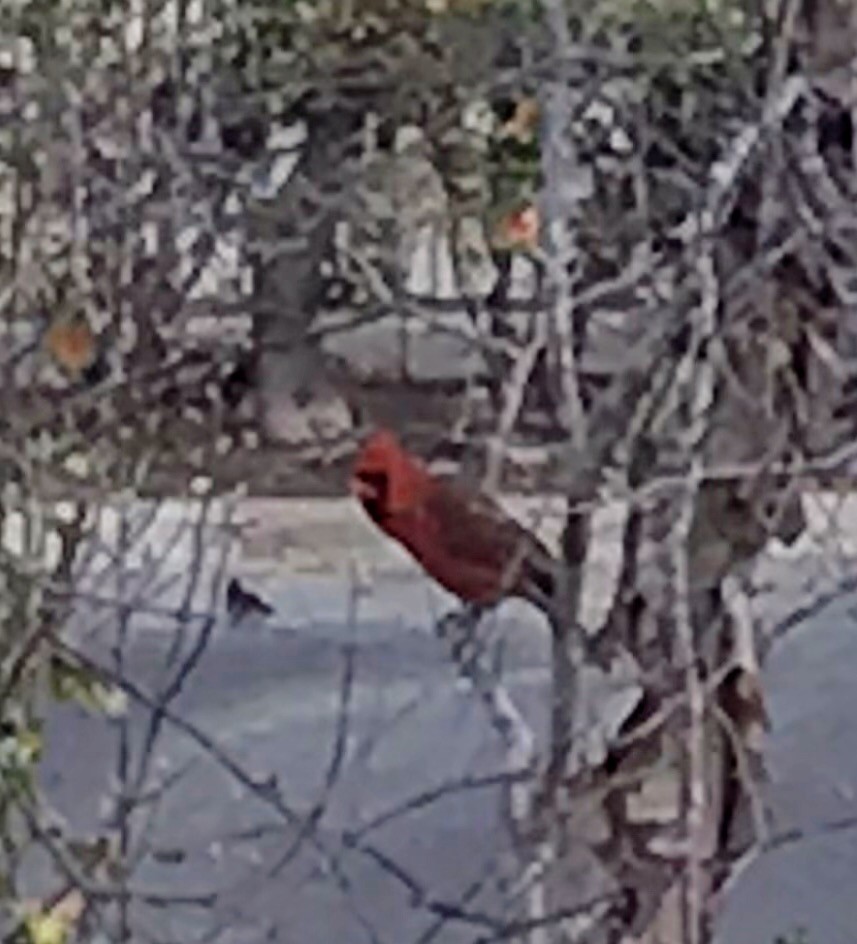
[[73, 683], [20, 750], [30, 744], [46, 929]]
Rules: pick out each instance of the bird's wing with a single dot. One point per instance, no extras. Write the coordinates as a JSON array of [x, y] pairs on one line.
[[475, 527]]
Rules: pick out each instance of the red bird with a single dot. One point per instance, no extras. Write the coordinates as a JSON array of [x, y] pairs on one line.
[[462, 539]]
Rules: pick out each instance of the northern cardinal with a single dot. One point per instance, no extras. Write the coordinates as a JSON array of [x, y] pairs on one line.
[[462, 539]]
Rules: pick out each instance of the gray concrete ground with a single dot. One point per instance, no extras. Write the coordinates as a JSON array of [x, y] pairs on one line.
[[270, 694]]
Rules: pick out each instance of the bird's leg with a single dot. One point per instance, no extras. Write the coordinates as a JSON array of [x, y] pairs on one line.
[[474, 663]]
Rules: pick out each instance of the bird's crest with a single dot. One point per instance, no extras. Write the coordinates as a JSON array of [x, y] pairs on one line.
[[382, 455]]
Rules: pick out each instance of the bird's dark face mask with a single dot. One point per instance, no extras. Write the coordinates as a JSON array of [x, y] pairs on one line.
[[372, 487]]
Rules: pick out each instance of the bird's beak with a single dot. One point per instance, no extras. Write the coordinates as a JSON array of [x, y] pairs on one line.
[[361, 489]]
